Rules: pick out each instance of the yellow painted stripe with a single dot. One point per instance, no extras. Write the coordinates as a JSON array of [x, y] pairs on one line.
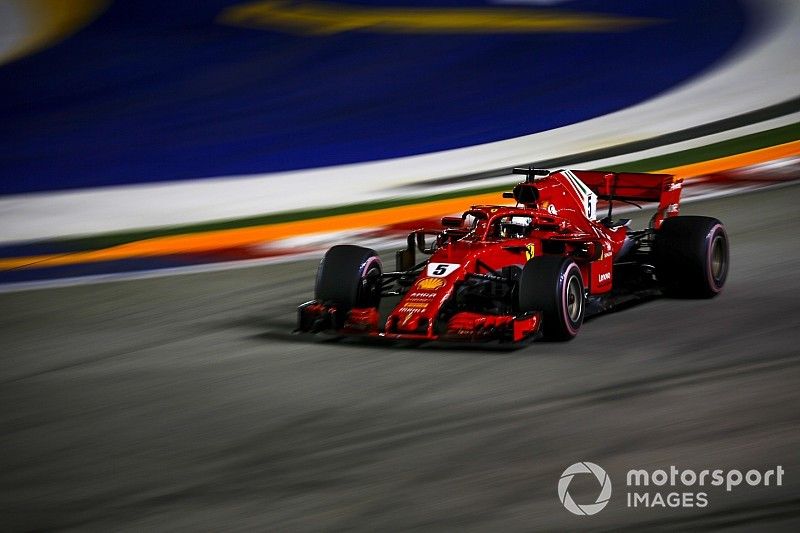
[[325, 18], [214, 240]]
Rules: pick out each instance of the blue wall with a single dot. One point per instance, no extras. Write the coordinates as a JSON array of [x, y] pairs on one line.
[[155, 91]]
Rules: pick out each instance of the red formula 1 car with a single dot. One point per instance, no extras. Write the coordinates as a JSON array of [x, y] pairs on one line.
[[537, 269]]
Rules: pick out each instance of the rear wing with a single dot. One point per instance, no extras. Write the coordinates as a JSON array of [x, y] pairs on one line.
[[629, 186], [636, 187]]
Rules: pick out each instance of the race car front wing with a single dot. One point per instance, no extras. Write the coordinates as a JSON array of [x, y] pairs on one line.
[[464, 326]]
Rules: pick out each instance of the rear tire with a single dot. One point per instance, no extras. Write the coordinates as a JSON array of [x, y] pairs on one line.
[[554, 286], [691, 255], [349, 276]]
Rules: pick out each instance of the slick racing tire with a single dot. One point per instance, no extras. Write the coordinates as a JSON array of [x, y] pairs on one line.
[[691, 256], [554, 286], [349, 276]]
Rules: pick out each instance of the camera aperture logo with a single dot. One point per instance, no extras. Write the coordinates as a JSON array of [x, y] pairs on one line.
[[587, 509]]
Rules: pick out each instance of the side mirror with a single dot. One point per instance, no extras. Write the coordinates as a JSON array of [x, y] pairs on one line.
[[426, 242], [452, 222], [404, 259]]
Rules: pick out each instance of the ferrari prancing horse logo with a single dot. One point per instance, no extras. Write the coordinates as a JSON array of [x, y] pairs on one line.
[[530, 251]]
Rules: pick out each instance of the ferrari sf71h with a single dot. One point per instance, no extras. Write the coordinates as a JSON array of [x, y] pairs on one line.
[[533, 270]]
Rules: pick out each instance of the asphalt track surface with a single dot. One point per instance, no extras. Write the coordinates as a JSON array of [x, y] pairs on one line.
[[183, 403]]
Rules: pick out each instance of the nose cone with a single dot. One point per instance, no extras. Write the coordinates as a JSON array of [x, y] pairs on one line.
[[418, 309]]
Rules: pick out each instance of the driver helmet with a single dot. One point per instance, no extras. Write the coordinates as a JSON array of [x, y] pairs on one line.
[[514, 227]]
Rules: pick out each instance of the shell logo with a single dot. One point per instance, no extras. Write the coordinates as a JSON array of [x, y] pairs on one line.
[[430, 284]]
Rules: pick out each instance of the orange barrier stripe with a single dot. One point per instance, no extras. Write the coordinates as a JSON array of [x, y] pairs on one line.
[[214, 240], [730, 162]]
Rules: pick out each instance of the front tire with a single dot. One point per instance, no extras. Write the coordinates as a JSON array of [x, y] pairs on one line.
[[349, 276], [691, 255], [554, 286]]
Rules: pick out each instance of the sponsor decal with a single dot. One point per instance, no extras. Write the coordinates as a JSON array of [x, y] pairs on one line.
[[604, 277], [530, 251], [420, 296], [430, 284]]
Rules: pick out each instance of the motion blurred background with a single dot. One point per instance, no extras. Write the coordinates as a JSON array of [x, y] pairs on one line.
[[218, 147]]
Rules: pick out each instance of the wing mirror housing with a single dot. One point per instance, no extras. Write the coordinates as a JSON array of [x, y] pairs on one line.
[[426, 241], [452, 222]]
